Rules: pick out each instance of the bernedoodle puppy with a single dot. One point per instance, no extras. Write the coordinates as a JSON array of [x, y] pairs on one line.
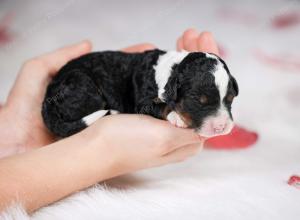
[[189, 89]]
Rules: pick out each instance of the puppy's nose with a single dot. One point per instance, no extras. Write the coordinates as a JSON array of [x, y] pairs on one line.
[[219, 128]]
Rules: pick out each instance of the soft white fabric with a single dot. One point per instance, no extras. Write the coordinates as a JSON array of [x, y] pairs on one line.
[[243, 184]]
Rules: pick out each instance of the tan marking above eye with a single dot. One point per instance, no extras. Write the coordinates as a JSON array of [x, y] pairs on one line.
[[229, 98], [203, 99]]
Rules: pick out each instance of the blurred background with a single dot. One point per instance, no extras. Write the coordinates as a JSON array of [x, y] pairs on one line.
[[259, 39]]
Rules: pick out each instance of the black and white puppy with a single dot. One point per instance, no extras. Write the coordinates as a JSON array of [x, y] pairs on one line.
[[189, 89]]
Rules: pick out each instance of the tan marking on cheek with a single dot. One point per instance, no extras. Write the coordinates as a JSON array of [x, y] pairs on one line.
[[183, 115], [165, 112]]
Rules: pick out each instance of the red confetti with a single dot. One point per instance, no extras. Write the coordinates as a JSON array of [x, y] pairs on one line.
[[294, 181], [286, 20], [236, 15], [283, 62], [5, 35], [238, 138]]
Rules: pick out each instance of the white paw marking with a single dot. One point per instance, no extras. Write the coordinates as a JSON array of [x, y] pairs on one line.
[[176, 120]]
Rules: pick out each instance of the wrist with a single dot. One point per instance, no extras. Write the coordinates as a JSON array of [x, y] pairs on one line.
[[10, 138], [111, 146], [97, 152]]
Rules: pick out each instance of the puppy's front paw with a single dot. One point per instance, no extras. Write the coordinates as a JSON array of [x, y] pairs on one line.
[[176, 120]]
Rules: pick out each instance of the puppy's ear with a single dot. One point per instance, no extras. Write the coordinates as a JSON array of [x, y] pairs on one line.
[[235, 85], [171, 91]]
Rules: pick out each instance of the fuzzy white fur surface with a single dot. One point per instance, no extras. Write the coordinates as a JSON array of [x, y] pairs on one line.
[[240, 184]]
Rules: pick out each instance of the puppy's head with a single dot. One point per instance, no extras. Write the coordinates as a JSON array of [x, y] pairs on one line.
[[201, 90]]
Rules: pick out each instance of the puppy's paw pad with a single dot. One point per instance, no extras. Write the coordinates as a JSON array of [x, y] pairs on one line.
[[175, 120]]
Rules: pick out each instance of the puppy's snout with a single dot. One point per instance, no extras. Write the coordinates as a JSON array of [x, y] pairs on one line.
[[220, 124], [219, 128], [214, 126]]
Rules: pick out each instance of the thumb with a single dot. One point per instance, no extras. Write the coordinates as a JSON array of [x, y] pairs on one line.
[[36, 73]]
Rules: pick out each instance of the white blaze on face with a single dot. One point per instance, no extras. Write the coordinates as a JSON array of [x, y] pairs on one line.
[[163, 69], [221, 122]]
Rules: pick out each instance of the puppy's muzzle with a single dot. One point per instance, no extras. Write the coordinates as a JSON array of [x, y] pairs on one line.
[[214, 126]]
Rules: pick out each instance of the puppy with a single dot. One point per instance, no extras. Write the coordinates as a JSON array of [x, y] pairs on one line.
[[189, 89]]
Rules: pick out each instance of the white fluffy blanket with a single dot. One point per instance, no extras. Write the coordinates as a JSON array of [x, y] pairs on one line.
[[264, 55]]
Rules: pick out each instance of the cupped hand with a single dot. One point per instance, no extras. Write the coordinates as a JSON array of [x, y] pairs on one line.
[[135, 142], [24, 127], [23, 107]]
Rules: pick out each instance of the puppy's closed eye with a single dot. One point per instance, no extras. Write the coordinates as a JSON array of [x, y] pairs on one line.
[[203, 99]]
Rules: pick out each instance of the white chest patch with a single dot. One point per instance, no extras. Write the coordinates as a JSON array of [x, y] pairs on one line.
[[164, 67]]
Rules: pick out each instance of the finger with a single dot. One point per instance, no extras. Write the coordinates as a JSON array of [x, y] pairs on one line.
[[179, 44], [183, 153], [190, 37], [181, 137], [57, 59], [40, 68], [139, 48], [174, 136], [207, 43]]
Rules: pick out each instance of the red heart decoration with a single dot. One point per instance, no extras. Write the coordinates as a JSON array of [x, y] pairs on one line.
[[238, 138]]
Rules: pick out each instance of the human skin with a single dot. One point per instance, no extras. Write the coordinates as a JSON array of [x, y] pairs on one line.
[[46, 170]]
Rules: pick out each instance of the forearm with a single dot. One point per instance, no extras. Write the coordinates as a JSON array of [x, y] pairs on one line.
[[11, 138], [104, 150], [40, 177]]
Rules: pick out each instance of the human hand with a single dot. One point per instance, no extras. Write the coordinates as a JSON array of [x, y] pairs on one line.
[[192, 40], [136, 142], [112, 146], [22, 111], [21, 115]]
